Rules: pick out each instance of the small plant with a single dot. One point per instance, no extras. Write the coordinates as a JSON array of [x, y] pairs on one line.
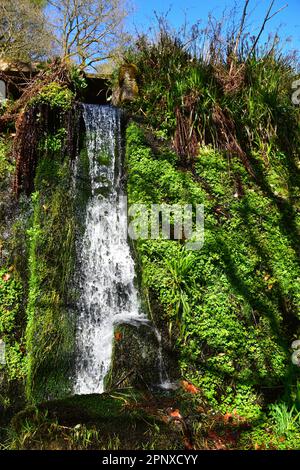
[[6, 166], [10, 298], [78, 80], [10, 304], [285, 420], [179, 270], [54, 143], [83, 438]]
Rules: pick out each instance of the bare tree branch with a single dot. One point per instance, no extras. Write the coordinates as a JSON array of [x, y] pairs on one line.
[[88, 30], [24, 35], [268, 17], [242, 25]]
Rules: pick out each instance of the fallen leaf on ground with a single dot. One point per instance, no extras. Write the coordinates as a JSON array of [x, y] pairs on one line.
[[175, 414], [188, 387]]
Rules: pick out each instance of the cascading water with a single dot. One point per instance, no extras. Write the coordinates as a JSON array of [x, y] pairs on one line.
[[164, 379], [107, 294]]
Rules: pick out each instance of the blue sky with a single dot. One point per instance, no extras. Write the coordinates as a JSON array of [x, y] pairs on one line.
[[289, 19]]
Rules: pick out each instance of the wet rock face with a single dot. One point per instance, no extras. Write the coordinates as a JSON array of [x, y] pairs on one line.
[[144, 355], [168, 342], [135, 356]]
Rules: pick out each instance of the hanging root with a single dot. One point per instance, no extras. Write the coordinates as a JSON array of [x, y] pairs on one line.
[[33, 122], [32, 126], [25, 150], [227, 139], [186, 141]]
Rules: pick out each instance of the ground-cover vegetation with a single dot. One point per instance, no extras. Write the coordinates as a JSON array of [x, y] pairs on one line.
[[212, 125], [221, 130]]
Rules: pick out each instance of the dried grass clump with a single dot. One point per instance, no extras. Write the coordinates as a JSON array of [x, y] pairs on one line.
[[231, 78], [186, 141], [227, 138]]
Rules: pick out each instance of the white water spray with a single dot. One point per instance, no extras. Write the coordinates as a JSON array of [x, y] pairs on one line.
[[107, 292]]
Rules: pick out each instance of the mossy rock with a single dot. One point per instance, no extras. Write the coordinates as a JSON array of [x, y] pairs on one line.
[[135, 356], [127, 89], [127, 69]]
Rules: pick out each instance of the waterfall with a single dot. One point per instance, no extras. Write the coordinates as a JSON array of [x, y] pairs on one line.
[[164, 379], [107, 294]]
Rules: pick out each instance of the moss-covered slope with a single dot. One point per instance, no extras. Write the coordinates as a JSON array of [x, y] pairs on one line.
[[232, 307]]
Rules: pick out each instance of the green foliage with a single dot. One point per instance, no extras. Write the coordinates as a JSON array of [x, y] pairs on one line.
[[50, 331], [238, 306], [280, 429], [78, 80], [285, 420], [171, 186], [54, 143], [237, 299], [160, 66], [6, 165], [55, 95], [242, 105], [180, 284], [11, 292]]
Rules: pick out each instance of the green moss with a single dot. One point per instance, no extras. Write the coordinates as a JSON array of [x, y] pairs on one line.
[[62, 189], [50, 329], [11, 292], [123, 420], [83, 185], [55, 95], [103, 407], [6, 165], [104, 158]]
